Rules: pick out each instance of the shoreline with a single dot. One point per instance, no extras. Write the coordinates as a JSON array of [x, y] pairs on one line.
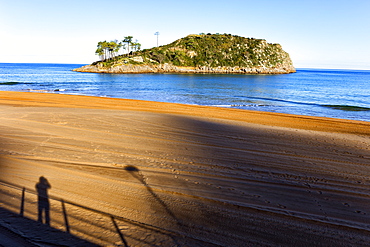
[[172, 69], [256, 117]]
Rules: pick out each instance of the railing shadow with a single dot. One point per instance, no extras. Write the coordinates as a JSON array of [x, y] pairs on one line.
[[96, 227], [32, 205], [36, 234]]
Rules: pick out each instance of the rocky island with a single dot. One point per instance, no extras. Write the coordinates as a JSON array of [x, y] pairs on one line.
[[203, 53]]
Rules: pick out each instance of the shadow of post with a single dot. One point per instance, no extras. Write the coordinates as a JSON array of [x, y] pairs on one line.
[[135, 172], [119, 232], [21, 213], [65, 216]]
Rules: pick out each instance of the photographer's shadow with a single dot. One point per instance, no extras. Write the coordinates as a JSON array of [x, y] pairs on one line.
[[43, 203]]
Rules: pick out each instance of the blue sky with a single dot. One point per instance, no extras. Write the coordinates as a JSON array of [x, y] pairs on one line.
[[316, 34]]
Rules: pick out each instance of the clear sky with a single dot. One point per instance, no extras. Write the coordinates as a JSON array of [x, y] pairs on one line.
[[316, 33]]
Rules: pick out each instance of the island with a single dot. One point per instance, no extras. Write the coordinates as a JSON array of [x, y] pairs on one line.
[[201, 53]]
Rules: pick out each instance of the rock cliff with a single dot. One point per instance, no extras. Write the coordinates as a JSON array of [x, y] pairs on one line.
[[219, 54]]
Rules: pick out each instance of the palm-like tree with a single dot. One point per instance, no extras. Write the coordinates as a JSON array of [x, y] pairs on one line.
[[128, 40], [102, 50], [136, 45], [108, 50]]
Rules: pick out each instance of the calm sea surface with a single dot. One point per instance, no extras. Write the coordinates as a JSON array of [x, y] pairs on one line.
[[315, 92]]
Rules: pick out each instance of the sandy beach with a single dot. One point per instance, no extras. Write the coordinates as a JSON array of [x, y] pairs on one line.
[[139, 173]]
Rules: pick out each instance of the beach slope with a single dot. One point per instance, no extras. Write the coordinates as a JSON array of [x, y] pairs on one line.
[[139, 173]]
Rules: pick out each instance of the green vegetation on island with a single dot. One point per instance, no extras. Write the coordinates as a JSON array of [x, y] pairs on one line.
[[200, 53]]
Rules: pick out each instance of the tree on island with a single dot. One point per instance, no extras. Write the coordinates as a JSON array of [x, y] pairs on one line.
[[135, 46], [128, 40], [108, 50]]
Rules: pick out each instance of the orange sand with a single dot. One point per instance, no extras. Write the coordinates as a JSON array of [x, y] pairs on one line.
[[173, 174]]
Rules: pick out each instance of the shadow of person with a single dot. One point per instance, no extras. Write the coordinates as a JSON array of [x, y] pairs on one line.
[[43, 200]]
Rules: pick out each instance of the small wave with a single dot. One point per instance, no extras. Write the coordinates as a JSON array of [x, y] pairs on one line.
[[38, 90], [240, 105], [282, 100], [249, 105], [216, 105], [336, 107], [347, 107], [10, 83]]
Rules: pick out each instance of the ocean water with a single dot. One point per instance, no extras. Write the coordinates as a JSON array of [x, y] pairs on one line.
[[315, 92]]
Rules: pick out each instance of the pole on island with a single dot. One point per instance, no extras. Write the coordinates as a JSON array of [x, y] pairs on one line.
[[157, 33]]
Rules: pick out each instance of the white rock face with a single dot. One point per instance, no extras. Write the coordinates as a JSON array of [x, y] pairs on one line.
[[138, 59], [168, 68]]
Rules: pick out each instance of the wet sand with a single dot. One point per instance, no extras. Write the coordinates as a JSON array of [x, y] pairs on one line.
[[161, 174]]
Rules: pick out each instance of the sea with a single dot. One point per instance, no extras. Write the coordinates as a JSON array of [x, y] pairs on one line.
[[333, 93]]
